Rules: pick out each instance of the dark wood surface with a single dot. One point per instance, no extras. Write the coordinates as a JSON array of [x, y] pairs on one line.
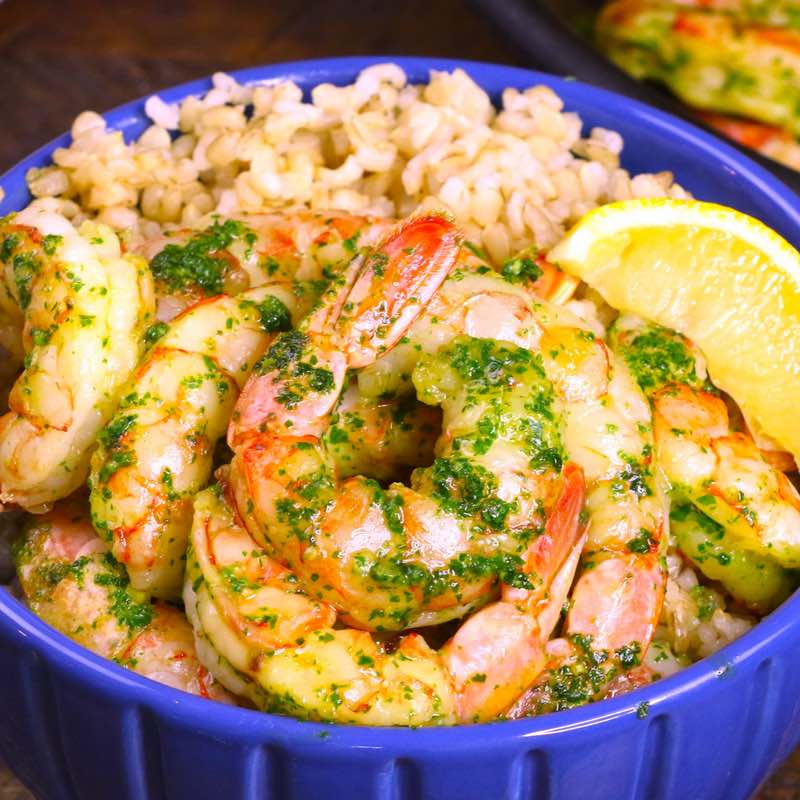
[[58, 58]]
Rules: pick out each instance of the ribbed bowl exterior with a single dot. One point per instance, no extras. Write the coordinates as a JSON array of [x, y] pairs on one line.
[[75, 727]]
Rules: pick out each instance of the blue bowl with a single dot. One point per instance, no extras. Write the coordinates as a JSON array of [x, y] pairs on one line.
[[73, 725]]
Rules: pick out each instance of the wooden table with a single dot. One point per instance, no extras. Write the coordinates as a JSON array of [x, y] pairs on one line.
[[58, 58]]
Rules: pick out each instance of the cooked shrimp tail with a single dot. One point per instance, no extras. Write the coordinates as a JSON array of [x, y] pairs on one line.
[[500, 650]]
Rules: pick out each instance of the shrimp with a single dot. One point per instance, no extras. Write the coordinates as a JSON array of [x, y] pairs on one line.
[[165, 652], [86, 307], [692, 453], [616, 602], [720, 470], [380, 438], [607, 431], [757, 581], [618, 596], [271, 642], [70, 581], [431, 551], [732, 63], [768, 140], [659, 356], [408, 556], [73, 583], [157, 450], [724, 474], [308, 246], [265, 638], [245, 253]]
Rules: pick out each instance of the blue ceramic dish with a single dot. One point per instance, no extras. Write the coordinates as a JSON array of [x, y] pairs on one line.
[[75, 727]]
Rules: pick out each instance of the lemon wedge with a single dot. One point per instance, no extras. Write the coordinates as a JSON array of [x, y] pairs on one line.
[[720, 277]]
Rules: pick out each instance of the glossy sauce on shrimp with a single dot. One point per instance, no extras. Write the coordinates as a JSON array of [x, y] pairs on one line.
[[86, 305], [435, 470], [71, 580], [418, 546]]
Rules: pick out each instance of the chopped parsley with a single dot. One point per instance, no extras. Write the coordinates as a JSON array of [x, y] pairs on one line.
[[584, 677], [129, 611], [8, 245], [521, 269], [273, 315], [41, 336], [200, 262], [155, 332], [658, 357], [112, 434], [50, 243], [643, 542], [466, 489], [25, 267], [296, 375]]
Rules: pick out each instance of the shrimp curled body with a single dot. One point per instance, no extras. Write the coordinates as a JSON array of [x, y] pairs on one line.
[[498, 505], [71, 580], [157, 451], [86, 306]]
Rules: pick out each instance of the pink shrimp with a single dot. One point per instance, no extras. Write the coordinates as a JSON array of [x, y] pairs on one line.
[[615, 605], [406, 556], [71, 580], [495, 505], [265, 638]]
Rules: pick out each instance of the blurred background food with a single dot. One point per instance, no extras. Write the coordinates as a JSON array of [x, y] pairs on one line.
[[731, 66], [738, 61]]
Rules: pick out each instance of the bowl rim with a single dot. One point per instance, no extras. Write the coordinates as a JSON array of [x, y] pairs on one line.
[[188, 710]]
